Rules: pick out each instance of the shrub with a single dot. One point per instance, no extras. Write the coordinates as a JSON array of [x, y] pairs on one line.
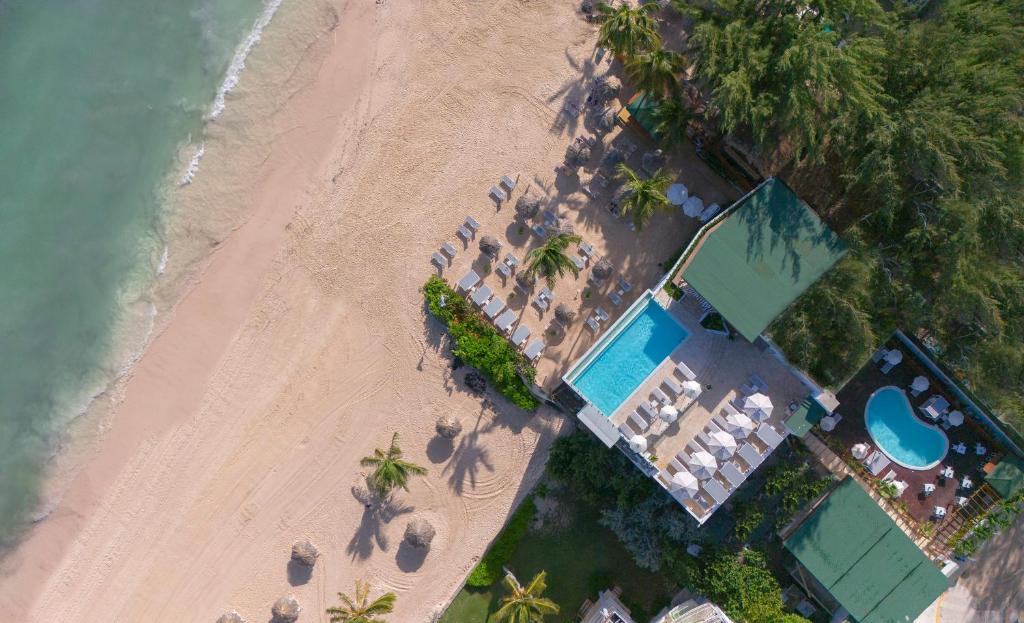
[[479, 344], [748, 517], [743, 586], [597, 476], [489, 569]]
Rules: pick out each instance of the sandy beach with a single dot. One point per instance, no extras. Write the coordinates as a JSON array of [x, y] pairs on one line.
[[346, 156]]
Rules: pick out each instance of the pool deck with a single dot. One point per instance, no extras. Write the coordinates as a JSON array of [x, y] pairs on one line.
[[724, 364], [852, 430]]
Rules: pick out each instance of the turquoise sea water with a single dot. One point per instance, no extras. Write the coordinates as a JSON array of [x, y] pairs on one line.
[[900, 434], [96, 98], [624, 363]]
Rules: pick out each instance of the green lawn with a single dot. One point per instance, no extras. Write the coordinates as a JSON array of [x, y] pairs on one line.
[[581, 559]]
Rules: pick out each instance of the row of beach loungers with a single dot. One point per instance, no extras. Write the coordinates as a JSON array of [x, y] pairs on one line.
[[494, 308]]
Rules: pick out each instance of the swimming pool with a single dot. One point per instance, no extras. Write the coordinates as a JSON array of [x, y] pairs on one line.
[[901, 435], [615, 369]]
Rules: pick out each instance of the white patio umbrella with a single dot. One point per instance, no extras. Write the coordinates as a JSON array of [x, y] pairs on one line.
[[702, 465], [956, 418], [920, 384], [669, 414], [894, 356], [637, 443], [739, 424], [691, 389], [686, 483], [758, 406], [676, 194], [721, 444], [693, 206], [828, 423], [859, 451]]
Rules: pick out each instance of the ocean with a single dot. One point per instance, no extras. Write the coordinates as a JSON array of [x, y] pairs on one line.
[[102, 107]]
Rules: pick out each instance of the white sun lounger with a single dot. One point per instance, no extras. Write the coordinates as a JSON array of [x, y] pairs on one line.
[[769, 436], [534, 349], [648, 411], [587, 249], [540, 303], [511, 260], [749, 454], [674, 385], [593, 324], [520, 335], [481, 296], [448, 248], [578, 262], [469, 280], [685, 371], [508, 182], [732, 474], [499, 194], [439, 260], [472, 223], [616, 299], [465, 233], [661, 396], [876, 463], [601, 314], [638, 421], [505, 320], [628, 429], [504, 270], [716, 490], [494, 308]]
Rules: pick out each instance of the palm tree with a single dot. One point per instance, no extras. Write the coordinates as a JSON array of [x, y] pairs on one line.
[[671, 117], [550, 259], [628, 30], [361, 609], [525, 604], [643, 197], [390, 471], [656, 71]]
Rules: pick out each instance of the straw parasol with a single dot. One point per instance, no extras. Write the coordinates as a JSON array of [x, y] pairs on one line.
[[231, 617], [637, 443], [691, 389], [476, 382], [419, 533], [606, 122], [956, 418], [685, 483], [612, 158], [564, 226], [606, 88], [859, 451], [577, 154], [702, 464], [286, 609], [721, 444], [305, 553], [527, 207], [739, 424], [669, 414], [602, 269], [920, 384], [526, 279], [894, 356], [448, 427], [693, 206], [652, 160], [757, 406], [564, 313], [490, 246]]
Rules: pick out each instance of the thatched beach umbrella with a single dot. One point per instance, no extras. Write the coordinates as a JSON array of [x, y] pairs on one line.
[[526, 280], [476, 382], [602, 269], [231, 617], [448, 427], [606, 88], [527, 207], [577, 154], [652, 160], [305, 553], [564, 226], [564, 313], [606, 122], [490, 246], [612, 158], [286, 610], [419, 533]]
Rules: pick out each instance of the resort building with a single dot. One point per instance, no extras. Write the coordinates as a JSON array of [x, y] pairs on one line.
[[683, 382], [685, 609], [852, 559]]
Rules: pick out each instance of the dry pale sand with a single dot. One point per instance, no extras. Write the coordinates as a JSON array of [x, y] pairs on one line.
[[304, 343]]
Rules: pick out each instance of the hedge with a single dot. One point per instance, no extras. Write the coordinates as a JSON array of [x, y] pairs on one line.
[[489, 570], [478, 344]]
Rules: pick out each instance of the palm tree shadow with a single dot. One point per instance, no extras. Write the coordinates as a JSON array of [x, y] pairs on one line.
[[377, 513], [467, 461]]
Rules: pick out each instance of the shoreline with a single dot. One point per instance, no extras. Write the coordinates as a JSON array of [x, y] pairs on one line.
[[239, 428]]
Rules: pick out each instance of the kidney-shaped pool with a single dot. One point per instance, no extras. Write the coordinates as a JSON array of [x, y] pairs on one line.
[[901, 435]]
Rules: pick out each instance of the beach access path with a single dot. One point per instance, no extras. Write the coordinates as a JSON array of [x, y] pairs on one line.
[[304, 343]]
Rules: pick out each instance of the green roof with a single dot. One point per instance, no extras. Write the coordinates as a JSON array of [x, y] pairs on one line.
[[859, 554], [1008, 477], [641, 108], [762, 256], [805, 417]]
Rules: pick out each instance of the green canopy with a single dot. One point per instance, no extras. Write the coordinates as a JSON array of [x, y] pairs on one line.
[[641, 109], [1008, 477], [867, 563], [805, 417]]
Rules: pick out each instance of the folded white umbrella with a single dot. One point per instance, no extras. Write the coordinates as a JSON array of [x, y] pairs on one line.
[[637, 443], [721, 444], [739, 424], [686, 483], [956, 418], [669, 414], [894, 356], [828, 423], [920, 384], [859, 451], [758, 406], [693, 206], [691, 389], [676, 194], [702, 465]]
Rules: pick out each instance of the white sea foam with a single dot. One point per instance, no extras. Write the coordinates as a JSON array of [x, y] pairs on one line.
[[162, 265], [193, 166], [238, 61]]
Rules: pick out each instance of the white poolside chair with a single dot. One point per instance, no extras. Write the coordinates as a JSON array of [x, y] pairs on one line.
[[468, 281], [750, 454], [534, 349], [481, 296], [503, 270], [769, 436], [592, 323], [674, 385], [601, 314], [505, 321], [578, 262], [587, 249], [540, 302], [500, 195], [449, 249], [661, 396], [685, 371], [472, 223], [716, 490], [465, 233], [508, 182], [615, 298], [520, 335], [638, 421], [939, 512], [876, 462], [648, 410], [439, 260], [495, 307]]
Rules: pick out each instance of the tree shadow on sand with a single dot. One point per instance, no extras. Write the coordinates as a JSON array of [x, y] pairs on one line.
[[377, 513], [468, 459]]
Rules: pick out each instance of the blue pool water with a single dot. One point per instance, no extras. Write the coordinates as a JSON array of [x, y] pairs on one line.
[[624, 363], [901, 435]]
